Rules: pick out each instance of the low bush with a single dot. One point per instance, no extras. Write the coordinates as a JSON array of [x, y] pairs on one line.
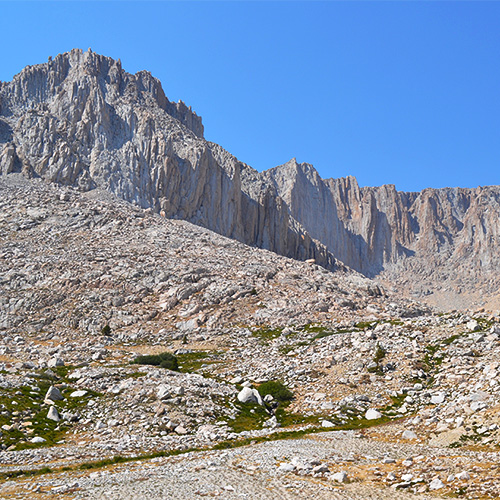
[[163, 360], [277, 390], [106, 330]]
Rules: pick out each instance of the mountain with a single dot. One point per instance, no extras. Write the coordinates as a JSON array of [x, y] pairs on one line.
[[80, 120], [439, 241], [145, 356]]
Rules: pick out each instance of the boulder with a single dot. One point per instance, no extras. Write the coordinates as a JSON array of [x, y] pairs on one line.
[[372, 414], [54, 394], [248, 395], [53, 414]]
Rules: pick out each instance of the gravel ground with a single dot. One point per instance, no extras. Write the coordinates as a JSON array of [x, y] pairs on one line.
[[251, 472]]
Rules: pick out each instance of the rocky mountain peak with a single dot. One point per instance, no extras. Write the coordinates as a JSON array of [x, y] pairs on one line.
[[66, 74], [82, 121]]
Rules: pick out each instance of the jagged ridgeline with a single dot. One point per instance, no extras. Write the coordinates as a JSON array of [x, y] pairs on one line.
[[81, 120]]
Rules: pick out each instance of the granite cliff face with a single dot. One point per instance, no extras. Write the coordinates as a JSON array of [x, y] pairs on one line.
[[436, 240], [81, 120]]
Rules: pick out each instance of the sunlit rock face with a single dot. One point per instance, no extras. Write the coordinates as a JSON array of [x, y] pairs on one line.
[[81, 120]]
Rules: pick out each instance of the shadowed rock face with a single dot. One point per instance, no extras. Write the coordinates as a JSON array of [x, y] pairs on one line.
[[80, 120], [364, 227]]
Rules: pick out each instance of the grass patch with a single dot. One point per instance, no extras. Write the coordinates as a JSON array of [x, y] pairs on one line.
[[396, 403], [135, 375], [324, 331], [194, 361], [285, 434], [266, 334], [451, 339], [431, 359], [329, 333], [289, 348], [251, 416], [287, 419], [484, 323], [314, 328], [362, 325], [23, 409], [395, 322], [25, 473]]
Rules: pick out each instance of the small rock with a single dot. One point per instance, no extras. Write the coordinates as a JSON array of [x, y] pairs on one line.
[[163, 392], [55, 362], [271, 422], [472, 325], [320, 468], [436, 484], [327, 423], [286, 467], [409, 435], [438, 398], [78, 394], [53, 414], [340, 477], [479, 396]]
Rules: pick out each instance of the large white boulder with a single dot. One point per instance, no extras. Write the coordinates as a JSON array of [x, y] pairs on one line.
[[372, 414], [248, 395]]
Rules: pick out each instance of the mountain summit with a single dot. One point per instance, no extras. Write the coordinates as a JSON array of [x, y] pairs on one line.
[[82, 121]]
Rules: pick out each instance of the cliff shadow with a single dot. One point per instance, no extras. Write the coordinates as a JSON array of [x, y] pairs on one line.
[[369, 256], [6, 132]]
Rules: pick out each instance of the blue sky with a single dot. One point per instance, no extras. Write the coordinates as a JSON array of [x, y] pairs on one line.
[[404, 93]]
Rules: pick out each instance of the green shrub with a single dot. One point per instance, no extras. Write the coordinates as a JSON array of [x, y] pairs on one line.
[[106, 330], [379, 354], [277, 389], [163, 360]]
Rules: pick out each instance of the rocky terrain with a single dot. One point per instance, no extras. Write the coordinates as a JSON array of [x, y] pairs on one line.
[[386, 398], [175, 324]]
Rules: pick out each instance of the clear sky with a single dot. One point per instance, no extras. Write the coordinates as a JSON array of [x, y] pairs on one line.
[[404, 93]]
